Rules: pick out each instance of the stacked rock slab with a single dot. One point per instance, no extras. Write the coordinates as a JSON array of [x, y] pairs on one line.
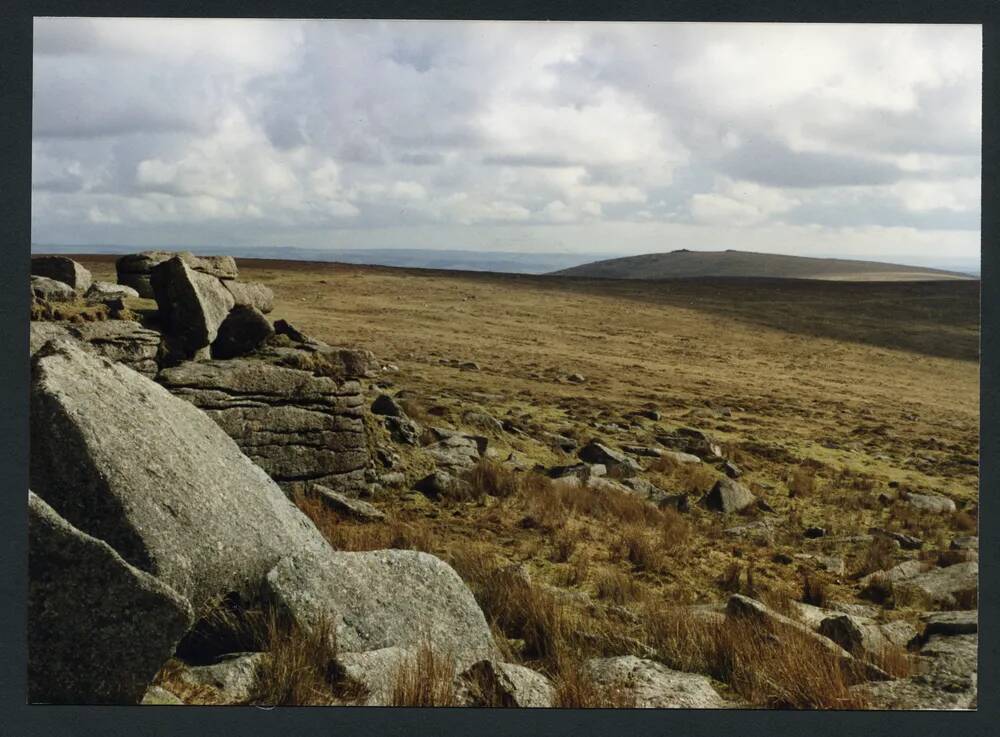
[[192, 305], [300, 428], [124, 341], [62, 269], [134, 270], [98, 628]]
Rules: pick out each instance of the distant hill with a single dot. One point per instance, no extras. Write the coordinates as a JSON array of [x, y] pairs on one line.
[[686, 264], [513, 262]]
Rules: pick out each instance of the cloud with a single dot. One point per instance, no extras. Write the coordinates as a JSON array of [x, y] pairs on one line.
[[588, 136]]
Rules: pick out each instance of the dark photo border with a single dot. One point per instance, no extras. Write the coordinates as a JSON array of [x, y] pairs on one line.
[[17, 718]]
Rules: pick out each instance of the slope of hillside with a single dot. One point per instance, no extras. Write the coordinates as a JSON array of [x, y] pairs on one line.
[[684, 263]]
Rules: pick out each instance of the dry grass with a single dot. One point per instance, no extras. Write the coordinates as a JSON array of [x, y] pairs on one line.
[[351, 535], [964, 522], [575, 689], [788, 671], [425, 679], [801, 482], [492, 479], [617, 587], [689, 478], [813, 591], [879, 556]]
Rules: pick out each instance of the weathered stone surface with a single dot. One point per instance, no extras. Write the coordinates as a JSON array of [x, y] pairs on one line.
[[761, 531], [437, 483], [489, 683], [857, 636], [104, 291], [946, 678], [906, 542], [935, 503], [50, 290], [251, 294], [298, 427], [455, 451], [192, 305], [124, 341], [123, 460], [962, 622], [694, 442], [728, 496], [234, 676], [594, 452], [643, 451], [376, 671], [403, 430], [243, 330], [40, 333], [654, 686], [62, 269], [965, 542], [348, 506], [383, 598], [98, 628], [952, 587], [678, 457]]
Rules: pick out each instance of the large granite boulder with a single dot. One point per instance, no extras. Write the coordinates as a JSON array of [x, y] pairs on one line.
[[243, 330], [653, 685], [489, 683], [915, 583], [62, 269], [192, 305], [98, 628], [382, 599], [251, 294], [50, 290], [300, 428], [125, 461]]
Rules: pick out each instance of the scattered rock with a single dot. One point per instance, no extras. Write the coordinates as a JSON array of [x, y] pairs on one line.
[[243, 330], [62, 269], [731, 470], [98, 628], [234, 676], [51, 290], [760, 531], [965, 542], [159, 696], [813, 533], [251, 294], [649, 414], [906, 542], [653, 685], [403, 430], [437, 484], [383, 598], [489, 683], [192, 305], [151, 475], [954, 587], [299, 428], [695, 442], [104, 291], [643, 451], [576, 378], [681, 458], [860, 638], [595, 452], [456, 451], [565, 444], [935, 503], [469, 366], [347, 506], [728, 496], [482, 421]]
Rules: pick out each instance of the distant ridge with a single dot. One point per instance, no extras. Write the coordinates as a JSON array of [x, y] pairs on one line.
[[683, 263]]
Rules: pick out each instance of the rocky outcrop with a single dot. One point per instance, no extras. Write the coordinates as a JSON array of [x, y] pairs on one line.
[[653, 685], [233, 677], [98, 628], [300, 428], [155, 478], [251, 294], [382, 599], [62, 269], [916, 583], [347, 506], [192, 305], [595, 452]]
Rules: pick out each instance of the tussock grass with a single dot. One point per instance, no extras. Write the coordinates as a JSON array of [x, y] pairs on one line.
[[425, 679], [690, 478], [617, 587], [802, 482], [778, 670], [350, 535], [492, 479], [575, 689]]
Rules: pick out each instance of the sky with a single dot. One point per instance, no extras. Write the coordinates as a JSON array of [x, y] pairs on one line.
[[858, 141]]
